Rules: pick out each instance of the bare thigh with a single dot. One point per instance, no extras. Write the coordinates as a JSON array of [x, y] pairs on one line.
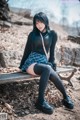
[[30, 69]]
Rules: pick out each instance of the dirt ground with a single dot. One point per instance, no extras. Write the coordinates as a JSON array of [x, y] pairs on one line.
[[18, 99]]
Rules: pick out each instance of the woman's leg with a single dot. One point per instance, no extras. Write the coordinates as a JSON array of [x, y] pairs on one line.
[[43, 71], [30, 69], [46, 73], [58, 83]]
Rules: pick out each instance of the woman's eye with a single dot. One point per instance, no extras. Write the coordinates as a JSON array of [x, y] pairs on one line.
[[41, 22]]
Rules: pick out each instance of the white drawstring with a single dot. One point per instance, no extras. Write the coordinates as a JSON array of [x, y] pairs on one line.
[[44, 46]]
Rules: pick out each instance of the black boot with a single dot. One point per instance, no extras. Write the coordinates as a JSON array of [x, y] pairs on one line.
[[44, 107], [68, 103]]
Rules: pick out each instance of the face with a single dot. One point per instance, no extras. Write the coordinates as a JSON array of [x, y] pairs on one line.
[[40, 25]]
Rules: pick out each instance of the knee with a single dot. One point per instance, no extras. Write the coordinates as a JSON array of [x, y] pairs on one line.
[[47, 68]]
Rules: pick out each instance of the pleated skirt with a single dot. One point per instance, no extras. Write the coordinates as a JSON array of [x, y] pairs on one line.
[[34, 57]]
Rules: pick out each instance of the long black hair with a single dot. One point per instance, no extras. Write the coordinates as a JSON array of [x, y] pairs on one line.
[[43, 18]]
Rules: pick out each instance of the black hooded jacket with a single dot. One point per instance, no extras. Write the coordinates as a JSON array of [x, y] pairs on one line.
[[34, 44]]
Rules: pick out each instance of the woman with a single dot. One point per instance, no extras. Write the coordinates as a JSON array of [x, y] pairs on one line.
[[35, 62]]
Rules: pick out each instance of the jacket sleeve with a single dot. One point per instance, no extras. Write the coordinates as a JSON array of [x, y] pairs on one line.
[[27, 51], [52, 49]]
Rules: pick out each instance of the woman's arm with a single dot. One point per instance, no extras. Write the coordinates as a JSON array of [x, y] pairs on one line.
[[27, 50], [52, 49]]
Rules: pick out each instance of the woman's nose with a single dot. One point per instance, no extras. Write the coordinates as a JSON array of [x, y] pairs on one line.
[[39, 25]]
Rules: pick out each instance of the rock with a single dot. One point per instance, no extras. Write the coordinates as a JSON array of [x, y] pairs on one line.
[[74, 39], [75, 83], [22, 12], [67, 55], [5, 23], [77, 57], [26, 112]]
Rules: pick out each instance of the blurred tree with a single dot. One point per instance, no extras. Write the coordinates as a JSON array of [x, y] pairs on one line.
[[64, 12], [76, 25], [4, 9], [64, 21]]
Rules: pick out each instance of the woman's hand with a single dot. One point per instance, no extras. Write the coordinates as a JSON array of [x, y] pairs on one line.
[[54, 66], [19, 70]]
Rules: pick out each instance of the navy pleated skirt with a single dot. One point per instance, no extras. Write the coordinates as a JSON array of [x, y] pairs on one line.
[[35, 57]]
